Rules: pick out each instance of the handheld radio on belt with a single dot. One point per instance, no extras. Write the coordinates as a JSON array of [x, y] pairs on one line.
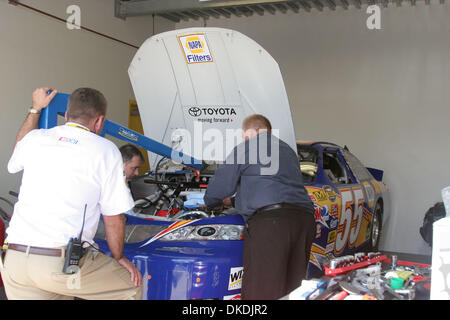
[[74, 251]]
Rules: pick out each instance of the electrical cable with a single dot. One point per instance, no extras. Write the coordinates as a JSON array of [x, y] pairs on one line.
[[16, 2]]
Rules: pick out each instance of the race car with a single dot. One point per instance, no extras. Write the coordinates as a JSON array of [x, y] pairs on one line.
[[194, 88], [350, 201], [186, 252]]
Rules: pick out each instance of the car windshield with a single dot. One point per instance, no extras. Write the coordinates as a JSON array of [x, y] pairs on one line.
[[309, 159]]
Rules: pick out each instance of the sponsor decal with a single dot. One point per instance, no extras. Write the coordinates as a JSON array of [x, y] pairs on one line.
[[370, 193], [331, 236], [211, 111], [69, 140], [317, 255], [215, 115], [127, 134], [327, 193], [195, 48], [376, 186], [318, 231], [334, 210], [329, 248], [233, 297], [333, 223], [321, 214], [235, 281], [195, 111], [212, 114], [330, 192], [320, 195], [171, 228]]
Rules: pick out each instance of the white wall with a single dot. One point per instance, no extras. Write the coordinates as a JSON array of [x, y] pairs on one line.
[[384, 93], [36, 50]]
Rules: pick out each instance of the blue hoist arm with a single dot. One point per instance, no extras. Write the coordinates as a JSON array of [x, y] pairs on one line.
[[58, 106]]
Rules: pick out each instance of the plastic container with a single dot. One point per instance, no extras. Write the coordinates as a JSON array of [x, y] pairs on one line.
[[446, 198], [397, 283]]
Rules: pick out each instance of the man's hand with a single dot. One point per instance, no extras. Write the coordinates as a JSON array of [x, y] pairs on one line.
[[136, 276], [218, 208], [41, 99], [115, 233], [227, 202]]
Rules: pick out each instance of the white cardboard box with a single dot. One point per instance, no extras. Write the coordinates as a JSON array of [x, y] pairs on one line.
[[440, 270]]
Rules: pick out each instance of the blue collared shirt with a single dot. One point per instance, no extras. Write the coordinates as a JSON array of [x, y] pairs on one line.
[[256, 181]]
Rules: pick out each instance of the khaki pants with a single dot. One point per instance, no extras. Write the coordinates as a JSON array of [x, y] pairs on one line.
[[39, 277]]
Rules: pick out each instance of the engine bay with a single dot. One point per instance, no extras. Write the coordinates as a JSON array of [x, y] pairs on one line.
[[174, 192]]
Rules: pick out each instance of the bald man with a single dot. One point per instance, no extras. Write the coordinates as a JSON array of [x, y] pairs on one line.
[[279, 214]]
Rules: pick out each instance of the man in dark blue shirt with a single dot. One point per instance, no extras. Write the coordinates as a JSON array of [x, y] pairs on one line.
[[263, 173]]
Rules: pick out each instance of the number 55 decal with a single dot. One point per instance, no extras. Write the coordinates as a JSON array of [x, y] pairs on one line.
[[350, 218]]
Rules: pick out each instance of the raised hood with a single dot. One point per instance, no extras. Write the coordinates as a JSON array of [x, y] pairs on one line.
[[202, 79]]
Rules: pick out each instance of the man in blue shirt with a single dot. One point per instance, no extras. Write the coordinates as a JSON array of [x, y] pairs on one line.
[[263, 173]]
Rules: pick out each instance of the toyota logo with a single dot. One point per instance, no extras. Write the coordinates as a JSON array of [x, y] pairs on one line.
[[195, 111]]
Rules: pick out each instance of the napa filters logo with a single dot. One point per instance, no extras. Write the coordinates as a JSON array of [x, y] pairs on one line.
[[195, 48]]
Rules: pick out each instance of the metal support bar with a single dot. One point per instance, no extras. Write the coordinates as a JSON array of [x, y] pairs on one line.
[[318, 5], [245, 11], [136, 8], [233, 11], [182, 15], [58, 106], [293, 6], [269, 8], [357, 3], [306, 6], [177, 10], [212, 13], [331, 4], [258, 10], [281, 7], [223, 12], [169, 17], [188, 15], [344, 4], [200, 13]]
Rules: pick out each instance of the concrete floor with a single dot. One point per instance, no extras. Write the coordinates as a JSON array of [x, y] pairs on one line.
[[400, 256]]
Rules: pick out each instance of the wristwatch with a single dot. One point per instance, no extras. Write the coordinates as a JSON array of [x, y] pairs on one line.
[[32, 110]]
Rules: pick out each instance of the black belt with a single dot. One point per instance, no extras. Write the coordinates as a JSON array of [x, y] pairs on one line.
[[276, 206]]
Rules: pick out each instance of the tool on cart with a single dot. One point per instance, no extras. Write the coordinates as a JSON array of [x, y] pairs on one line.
[[368, 277], [349, 263]]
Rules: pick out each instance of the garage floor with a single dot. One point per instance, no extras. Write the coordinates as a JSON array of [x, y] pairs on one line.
[[400, 256]]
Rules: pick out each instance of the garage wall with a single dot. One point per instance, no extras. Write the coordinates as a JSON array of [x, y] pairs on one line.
[[383, 93], [36, 50]]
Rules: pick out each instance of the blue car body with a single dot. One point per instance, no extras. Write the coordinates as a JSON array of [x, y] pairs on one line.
[[187, 269], [212, 269]]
